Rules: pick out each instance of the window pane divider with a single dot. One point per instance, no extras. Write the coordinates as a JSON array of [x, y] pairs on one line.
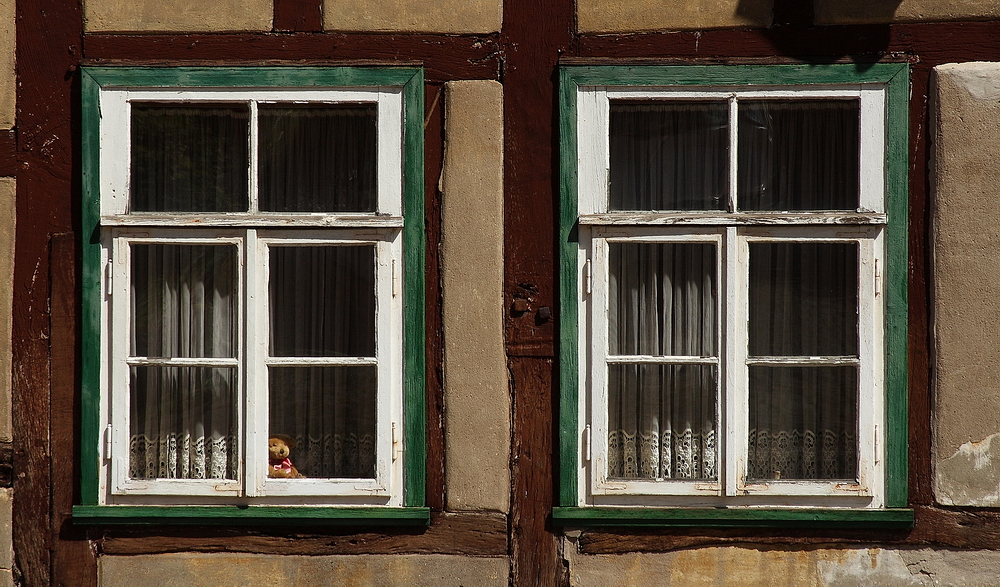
[[183, 362], [663, 360], [732, 218], [261, 219], [804, 360], [319, 361]]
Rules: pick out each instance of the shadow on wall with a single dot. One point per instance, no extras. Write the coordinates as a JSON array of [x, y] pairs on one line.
[[794, 29]]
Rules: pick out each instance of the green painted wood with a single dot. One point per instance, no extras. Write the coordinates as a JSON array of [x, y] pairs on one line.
[[727, 518], [896, 284], [569, 427], [90, 310], [257, 515], [414, 385], [736, 75], [411, 80], [250, 77], [896, 78]]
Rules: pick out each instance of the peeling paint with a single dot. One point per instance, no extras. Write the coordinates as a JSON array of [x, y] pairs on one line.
[[969, 477], [978, 78]]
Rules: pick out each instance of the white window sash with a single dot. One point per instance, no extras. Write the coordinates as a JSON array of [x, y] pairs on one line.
[[733, 232]]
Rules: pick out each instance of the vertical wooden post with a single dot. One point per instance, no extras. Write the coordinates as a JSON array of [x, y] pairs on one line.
[[534, 35]]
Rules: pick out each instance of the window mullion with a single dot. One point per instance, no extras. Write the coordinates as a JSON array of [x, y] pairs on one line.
[[599, 372], [254, 354], [254, 139], [120, 382], [733, 152], [734, 381]]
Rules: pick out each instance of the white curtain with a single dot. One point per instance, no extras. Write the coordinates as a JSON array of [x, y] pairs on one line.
[[669, 155], [803, 303], [184, 298], [662, 418], [792, 155], [330, 312], [189, 158], [183, 419], [318, 158]]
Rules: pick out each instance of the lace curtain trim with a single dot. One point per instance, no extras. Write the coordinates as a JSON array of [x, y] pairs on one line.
[[183, 456], [802, 454], [670, 455]]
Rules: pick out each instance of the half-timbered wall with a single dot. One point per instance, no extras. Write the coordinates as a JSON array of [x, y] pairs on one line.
[[491, 173]]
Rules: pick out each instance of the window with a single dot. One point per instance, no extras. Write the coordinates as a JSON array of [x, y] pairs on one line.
[[253, 269], [733, 268]]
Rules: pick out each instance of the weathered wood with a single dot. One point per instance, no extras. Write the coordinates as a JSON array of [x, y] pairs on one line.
[[738, 219], [73, 561], [444, 57], [534, 35], [534, 547], [298, 15], [937, 527], [433, 161], [182, 219], [464, 534], [49, 34]]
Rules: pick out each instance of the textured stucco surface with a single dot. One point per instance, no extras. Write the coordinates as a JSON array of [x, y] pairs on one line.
[[176, 15], [792, 567], [240, 570], [966, 279], [8, 80], [8, 190], [476, 394], [603, 16], [442, 16], [881, 11]]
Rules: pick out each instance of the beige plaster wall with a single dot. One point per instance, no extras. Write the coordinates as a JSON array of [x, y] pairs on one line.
[[476, 394], [612, 16], [432, 16], [8, 79], [176, 15], [241, 570], [882, 11], [966, 282], [814, 567]]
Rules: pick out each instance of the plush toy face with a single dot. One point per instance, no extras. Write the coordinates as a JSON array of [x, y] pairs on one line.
[[278, 448], [280, 466]]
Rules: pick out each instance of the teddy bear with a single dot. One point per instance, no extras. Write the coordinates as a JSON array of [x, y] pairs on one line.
[[279, 465]]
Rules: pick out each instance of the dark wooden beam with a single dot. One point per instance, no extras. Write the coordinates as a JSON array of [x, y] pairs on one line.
[[299, 16], [462, 534], [444, 57], [73, 561], [49, 34]]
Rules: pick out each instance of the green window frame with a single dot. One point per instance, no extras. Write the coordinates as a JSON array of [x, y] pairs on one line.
[[576, 507], [409, 508]]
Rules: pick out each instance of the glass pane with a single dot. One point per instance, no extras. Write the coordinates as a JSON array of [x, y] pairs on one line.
[[182, 422], [183, 301], [189, 158], [662, 299], [803, 423], [329, 413], [798, 155], [669, 155], [318, 158], [803, 299], [322, 301], [661, 422]]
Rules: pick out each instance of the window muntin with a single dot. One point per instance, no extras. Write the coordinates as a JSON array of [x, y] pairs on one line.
[[252, 340], [845, 473]]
